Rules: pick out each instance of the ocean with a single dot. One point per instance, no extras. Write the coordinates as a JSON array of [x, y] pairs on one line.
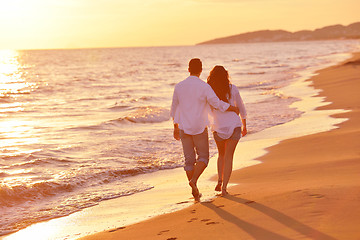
[[77, 124]]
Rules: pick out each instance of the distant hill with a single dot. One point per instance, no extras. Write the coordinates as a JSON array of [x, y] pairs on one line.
[[351, 31]]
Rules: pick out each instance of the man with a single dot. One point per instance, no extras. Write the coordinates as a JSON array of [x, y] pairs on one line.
[[189, 110]]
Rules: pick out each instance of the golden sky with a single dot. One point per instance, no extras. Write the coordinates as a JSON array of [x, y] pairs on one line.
[[44, 24]]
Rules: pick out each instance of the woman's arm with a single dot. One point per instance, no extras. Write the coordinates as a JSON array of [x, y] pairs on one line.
[[239, 102], [243, 130]]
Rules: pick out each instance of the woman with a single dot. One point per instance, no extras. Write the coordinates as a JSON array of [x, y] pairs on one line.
[[226, 126]]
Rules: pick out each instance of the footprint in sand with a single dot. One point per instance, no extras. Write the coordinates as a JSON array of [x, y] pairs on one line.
[[208, 223], [193, 211], [173, 238], [316, 195], [205, 220], [191, 220], [220, 206], [163, 231], [116, 229]]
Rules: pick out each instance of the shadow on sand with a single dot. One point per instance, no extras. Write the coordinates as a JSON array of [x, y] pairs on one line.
[[261, 233]]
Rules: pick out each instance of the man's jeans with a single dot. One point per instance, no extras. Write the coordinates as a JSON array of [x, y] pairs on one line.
[[195, 145]]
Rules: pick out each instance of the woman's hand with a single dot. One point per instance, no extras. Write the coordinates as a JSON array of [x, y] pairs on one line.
[[176, 132], [244, 130]]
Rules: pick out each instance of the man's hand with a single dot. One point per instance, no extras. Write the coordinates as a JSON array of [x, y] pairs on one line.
[[176, 132], [233, 109]]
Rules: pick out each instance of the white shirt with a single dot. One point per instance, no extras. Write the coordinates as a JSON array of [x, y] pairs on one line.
[[224, 123], [190, 105]]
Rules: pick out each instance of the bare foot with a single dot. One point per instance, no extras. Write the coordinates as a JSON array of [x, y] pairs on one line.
[[218, 186], [197, 199], [195, 191], [224, 192]]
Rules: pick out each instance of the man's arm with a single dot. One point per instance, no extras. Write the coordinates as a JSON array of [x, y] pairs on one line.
[[174, 104], [216, 103]]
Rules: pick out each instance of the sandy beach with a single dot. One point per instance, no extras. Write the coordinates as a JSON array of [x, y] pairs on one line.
[[305, 188]]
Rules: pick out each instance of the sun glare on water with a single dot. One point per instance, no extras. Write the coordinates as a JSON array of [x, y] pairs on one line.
[[14, 130], [12, 82], [10, 79]]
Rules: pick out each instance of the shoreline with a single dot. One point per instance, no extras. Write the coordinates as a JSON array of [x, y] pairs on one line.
[[105, 216], [306, 187]]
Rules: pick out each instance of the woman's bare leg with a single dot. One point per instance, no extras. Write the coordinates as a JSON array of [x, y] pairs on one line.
[[230, 146], [220, 163]]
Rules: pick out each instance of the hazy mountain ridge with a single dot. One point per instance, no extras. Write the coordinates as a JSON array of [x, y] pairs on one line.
[[351, 31]]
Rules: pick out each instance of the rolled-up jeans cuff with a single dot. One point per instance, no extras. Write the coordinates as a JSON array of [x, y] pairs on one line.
[[204, 160], [189, 168]]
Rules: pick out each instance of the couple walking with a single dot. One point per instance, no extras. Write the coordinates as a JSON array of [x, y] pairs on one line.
[[193, 100]]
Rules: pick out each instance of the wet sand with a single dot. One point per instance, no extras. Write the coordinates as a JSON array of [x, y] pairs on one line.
[[305, 188]]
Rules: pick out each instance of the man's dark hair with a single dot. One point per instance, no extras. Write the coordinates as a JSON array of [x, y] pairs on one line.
[[195, 66]]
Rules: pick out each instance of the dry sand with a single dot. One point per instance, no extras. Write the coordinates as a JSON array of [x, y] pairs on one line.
[[306, 187]]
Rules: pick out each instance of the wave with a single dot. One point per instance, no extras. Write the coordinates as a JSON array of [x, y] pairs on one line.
[[4, 98], [118, 107], [59, 206], [171, 64], [149, 114], [3, 174], [128, 101], [33, 161], [65, 195], [258, 84], [250, 73], [276, 93], [12, 195], [255, 73], [236, 60], [272, 64]]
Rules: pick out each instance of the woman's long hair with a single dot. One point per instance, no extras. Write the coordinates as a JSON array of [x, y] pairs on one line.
[[220, 83]]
